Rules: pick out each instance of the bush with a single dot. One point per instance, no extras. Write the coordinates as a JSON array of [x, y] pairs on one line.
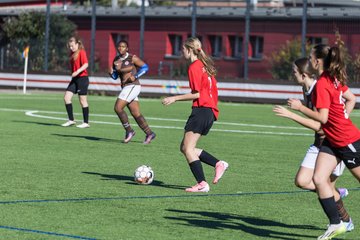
[[282, 61], [28, 29]]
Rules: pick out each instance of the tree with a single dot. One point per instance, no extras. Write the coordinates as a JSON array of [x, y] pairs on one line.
[[282, 60], [29, 29]]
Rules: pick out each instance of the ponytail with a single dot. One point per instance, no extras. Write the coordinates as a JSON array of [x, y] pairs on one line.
[[333, 61], [194, 45], [336, 65], [208, 63]]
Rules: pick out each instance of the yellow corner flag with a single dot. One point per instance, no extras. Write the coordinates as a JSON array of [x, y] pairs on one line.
[[25, 55], [26, 52]]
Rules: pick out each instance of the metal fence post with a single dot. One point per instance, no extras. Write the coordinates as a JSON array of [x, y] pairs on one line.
[[47, 30], [93, 32]]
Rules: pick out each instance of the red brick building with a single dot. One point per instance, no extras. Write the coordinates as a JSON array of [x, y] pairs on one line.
[[221, 30]]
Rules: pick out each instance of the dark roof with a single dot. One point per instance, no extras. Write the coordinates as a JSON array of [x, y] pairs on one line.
[[202, 12]]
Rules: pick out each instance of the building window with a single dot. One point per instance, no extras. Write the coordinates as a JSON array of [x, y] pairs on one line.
[[174, 44], [256, 46], [316, 40], [197, 36], [235, 45], [117, 37], [215, 45]]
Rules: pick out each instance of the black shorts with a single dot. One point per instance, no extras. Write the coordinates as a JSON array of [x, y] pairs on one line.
[[200, 121], [79, 85], [350, 154]]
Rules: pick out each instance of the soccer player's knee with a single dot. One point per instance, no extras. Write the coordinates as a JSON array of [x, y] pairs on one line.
[[302, 183], [117, 109], [182, 148], [319, 179]]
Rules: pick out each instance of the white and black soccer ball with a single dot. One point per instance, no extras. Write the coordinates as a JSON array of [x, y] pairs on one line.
[[144, 175]]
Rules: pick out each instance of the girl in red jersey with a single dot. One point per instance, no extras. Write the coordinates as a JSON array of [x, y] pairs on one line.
[[342, 142], [79, 82], [204, 95], [303, 74], [129, 68]]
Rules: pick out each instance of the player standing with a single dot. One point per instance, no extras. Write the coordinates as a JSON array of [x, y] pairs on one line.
[[79, 82]]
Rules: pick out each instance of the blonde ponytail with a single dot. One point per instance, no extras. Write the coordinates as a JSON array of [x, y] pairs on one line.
[[194, 45]]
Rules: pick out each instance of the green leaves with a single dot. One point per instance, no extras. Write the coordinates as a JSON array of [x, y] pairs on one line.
[[29, 29], [281, 61]]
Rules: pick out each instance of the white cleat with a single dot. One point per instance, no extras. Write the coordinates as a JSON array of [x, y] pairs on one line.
[[68, 123], [83, 125]]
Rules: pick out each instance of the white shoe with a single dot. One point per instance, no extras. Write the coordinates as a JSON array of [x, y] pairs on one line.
[[349, 225], [83, 125], [333, 231], [68, 123]]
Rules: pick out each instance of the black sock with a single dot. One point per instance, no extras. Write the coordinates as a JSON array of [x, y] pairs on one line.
[[330, 209], [197, 171], [69, 110], [207, 158], [85, 111]]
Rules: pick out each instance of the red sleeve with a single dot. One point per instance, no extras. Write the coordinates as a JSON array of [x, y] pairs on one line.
[[323, 96], [344, 88], [195, 75], [83, 57]]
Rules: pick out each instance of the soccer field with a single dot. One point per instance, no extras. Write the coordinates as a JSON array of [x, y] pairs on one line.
[[71, 183]]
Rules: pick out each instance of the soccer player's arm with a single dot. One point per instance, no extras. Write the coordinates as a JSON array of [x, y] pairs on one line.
[[83, 61], [195, 92], [321, 115], [350, 100], [322, 104], [306, 122], [112, 72], [142, 67]]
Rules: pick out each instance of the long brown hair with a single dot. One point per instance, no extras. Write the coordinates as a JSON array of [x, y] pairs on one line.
[[193, 44], [333, 61], [79, 42]]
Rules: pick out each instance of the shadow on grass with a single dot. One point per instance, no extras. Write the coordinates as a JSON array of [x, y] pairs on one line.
[[130, 180], [39, 123], [92, 138], [250, 225]]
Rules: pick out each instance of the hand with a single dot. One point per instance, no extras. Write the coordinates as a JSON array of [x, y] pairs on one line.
[[74, 74], [111, 69], [168, 100], [294, 104], [282, 112]]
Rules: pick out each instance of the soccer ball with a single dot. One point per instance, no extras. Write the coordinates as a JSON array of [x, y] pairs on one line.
[[144, 175]]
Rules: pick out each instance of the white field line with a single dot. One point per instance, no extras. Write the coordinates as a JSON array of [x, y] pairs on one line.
[[35, 113]]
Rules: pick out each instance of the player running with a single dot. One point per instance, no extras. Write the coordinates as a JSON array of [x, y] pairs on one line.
[[304, 178], [204, 95], [129, 68], [342, 142]]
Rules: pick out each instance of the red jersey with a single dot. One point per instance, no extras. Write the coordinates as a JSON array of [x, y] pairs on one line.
[[78, 62], [201, 82], [339, 129]]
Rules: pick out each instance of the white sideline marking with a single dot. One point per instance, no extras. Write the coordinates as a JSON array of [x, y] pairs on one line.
[[180, 120], [35, 113]]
